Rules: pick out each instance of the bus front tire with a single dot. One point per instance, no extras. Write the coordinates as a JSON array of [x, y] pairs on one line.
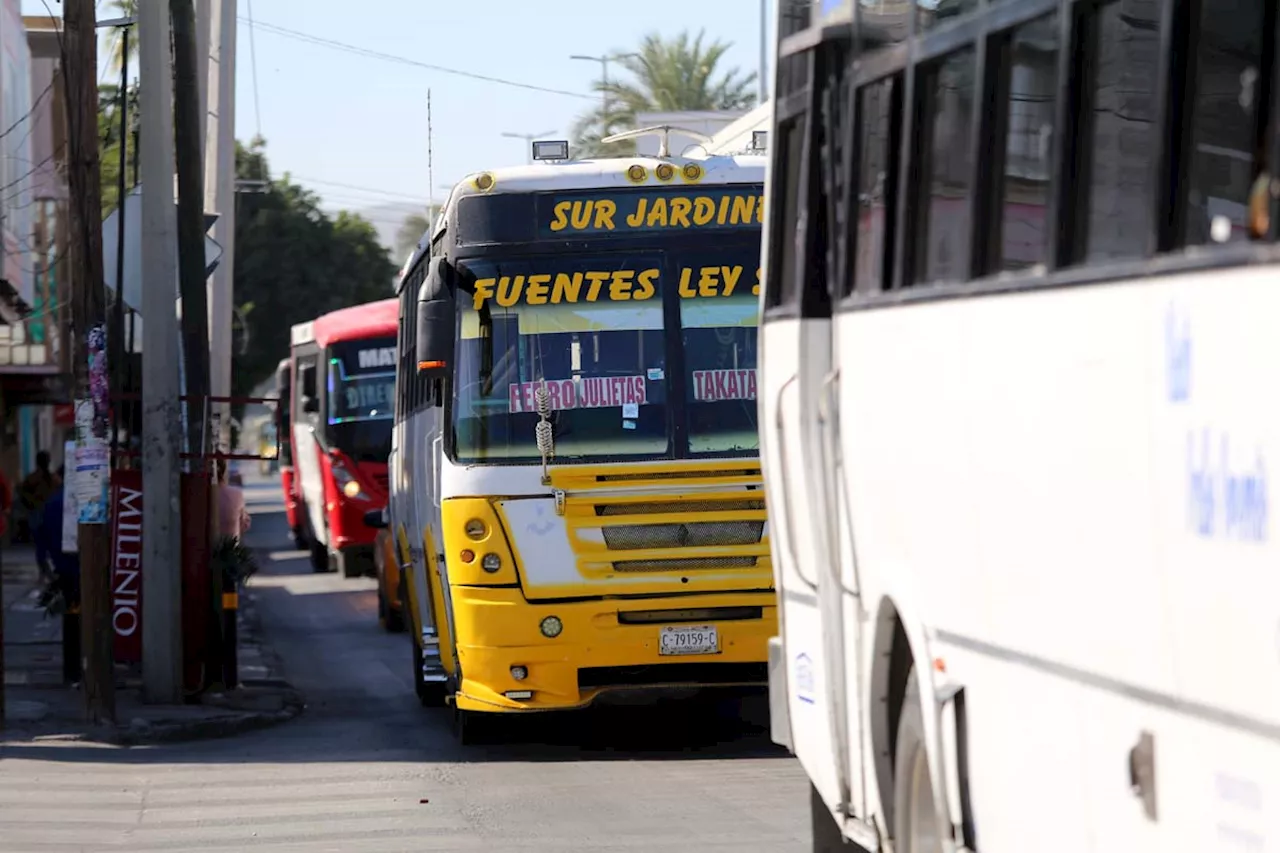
[[915, 813], [472, 727]]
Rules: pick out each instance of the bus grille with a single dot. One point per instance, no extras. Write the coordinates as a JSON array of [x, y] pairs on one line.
[[690, 534]]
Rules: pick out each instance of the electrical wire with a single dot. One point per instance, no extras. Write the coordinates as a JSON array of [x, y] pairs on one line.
[[253, 67], [334, 44]]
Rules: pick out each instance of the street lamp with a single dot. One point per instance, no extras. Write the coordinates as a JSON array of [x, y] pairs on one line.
[[604, 73], [528, 141]]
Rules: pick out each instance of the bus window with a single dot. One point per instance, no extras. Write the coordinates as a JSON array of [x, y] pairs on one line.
[[1224, 117], [1123, 144], [947, 110], [1031, 102]]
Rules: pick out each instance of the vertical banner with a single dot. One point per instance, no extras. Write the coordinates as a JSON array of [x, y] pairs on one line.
[[70, 510], [126, 564]]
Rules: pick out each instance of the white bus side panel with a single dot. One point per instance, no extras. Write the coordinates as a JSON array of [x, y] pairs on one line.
[[1018, 466], [788, 444]]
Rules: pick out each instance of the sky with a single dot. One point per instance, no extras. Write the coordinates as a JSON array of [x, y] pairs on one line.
[[334, 116]]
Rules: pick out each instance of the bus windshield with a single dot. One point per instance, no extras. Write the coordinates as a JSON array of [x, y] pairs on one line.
[[361, 398], [591, 332]]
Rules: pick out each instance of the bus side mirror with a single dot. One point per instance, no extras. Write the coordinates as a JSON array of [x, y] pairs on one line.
[[436, 322]]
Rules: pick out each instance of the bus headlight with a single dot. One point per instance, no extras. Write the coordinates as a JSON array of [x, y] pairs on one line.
[[475, 529], [490, 563], [351, 489], [551, 627]]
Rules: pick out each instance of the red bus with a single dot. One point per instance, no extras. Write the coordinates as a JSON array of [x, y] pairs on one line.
[[342, 401]]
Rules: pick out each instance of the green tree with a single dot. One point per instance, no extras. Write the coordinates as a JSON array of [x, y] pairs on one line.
[[115, 42], [667, 75], [109, 143], [294, 263], [412, 229]]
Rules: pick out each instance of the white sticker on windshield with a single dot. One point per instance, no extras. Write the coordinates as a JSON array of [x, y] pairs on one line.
[[656, 374], [628, 424], [631, 410]]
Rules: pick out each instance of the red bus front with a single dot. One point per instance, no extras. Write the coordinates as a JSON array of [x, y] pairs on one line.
[[359, 401]]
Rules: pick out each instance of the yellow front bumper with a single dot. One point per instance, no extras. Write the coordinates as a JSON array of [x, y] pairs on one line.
[[498, 629]]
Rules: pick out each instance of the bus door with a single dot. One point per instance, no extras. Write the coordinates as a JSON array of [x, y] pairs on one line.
[[308, 472], [822, 615]]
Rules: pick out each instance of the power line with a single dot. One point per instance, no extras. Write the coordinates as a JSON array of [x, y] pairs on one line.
[[305, 179], [403, 60], [253, 65]]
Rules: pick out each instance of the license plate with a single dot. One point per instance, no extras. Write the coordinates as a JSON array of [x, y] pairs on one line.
[[693, 640]]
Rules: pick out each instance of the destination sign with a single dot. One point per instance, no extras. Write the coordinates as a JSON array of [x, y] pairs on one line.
[[555, 288], [639, 212]]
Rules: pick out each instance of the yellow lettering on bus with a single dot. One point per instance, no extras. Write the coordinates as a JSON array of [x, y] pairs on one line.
[[484, 290], [755, 290], [509, 290], [620, 285], [605, 210], [743, 207], [597, 280], [567, 287], [657, 213], [680, 208], [538, 287], [646, 280], [704, 209], [560, 215], [731, 276], [712, 281]]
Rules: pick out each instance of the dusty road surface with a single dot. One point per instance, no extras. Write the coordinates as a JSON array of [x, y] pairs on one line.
[[365, 768]]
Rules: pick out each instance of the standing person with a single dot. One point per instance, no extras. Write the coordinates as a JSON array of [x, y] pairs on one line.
[[33, 493], [66, 574], [233, 518]]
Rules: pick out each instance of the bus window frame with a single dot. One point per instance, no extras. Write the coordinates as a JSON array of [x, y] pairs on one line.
[[982, 28]]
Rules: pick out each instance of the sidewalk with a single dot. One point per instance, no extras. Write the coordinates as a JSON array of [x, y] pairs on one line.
[[39, 705]]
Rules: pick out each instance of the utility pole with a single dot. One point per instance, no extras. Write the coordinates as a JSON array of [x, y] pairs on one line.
[[202, 65], [191, 228], [220, 197], [528, 141], [161, 439], [88, 339]]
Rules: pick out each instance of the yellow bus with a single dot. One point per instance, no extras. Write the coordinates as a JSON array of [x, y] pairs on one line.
[[576, 488]]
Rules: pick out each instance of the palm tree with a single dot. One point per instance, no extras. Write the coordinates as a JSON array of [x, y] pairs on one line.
[[668, 76], [126, 8]]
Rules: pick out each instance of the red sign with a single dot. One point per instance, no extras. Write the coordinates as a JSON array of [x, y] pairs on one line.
[[64, 415], [126, 564], [710, 386], [591, 392]]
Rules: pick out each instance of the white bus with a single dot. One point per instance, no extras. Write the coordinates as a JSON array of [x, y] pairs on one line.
[[1017, 417]]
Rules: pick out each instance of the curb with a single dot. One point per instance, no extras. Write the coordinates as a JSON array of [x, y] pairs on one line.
[[211, 729], [148, 734]]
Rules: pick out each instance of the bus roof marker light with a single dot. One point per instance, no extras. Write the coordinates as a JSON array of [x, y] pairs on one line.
[[483, 182], [664, 172], [551, 149], [637, 174], [691, 172]]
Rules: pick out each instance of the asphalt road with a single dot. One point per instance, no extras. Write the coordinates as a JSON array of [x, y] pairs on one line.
[[365, 768]]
